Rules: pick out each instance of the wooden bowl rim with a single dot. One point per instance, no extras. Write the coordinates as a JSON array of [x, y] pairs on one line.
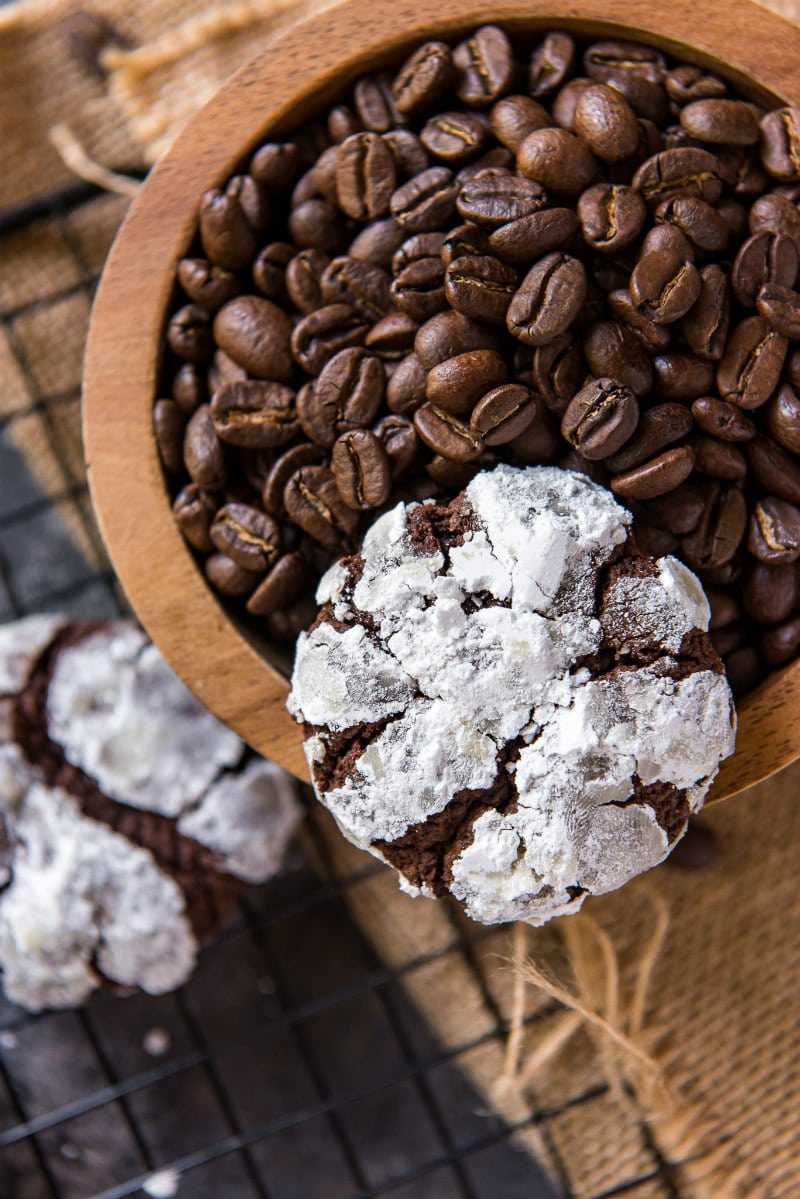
[[300, 69]]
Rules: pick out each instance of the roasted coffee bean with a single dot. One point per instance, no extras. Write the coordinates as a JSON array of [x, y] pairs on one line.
[[276, 165], [751, 365], [782, 643], [224, 370], [763, 258], [448, 334], [667, 237], [611, 216], [415, 248], [463, 240], [446, 435], [724, 122], [734, 215], [664, 287], [503, 414], [194, 510], [548, 300], [363, 287], [654, 541], [318, 225], [257, 335], [205, 284], [255, 414], [499, 159], [679, 514], [454, 137], [346, 396], [780, 143], [247, 535], [324, 333], [566, 101], [365, 176], [550, 64], [719, 531], [774, 470], [457, 384], [281, 472], [485, 67], [480, 287], [725, 608], [392, 337], [342, 123], [281, 585], [782, 418], [303, 279], [683, 171], [285, 625], [361, 468], [611, 349], [227, 577], [409, 154], [719, 459], [374, 103], [682, 377], [558, 370], [269, 270], [705, 325], [189, 387], [189, 334], [492, 198], [540, 443], [743, 670], [514, 117], [324, 175], [774, 531], [531, 237], [168, 425], [377, 243], [722, 420], [423, 78], [405, 391], [654, 337], [425, 202], [399, 439], [686, 84], [228, 237], [780, 308], [775, 214], [312, 501], [612, 59], [791, 369], [600, 418], [444, 472], [659, 476], [606, 122], [418, 289], [202, 452], [770, 592], [558, 160], [658, 427], [702, 224]]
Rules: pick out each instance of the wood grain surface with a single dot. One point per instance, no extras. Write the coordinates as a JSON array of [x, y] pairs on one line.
[[301, 70]]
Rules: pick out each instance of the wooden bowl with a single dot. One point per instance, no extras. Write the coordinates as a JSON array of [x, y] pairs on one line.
[[304, 67]]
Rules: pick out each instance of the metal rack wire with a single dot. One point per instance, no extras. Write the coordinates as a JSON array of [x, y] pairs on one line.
[[292, 1064]]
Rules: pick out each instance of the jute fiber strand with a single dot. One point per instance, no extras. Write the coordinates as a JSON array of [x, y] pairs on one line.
[[656, 1035]]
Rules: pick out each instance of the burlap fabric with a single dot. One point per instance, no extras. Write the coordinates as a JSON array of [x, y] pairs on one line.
[[695, 1097]]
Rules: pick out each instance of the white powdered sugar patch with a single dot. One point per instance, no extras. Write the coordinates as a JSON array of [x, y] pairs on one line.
[[472, 660]]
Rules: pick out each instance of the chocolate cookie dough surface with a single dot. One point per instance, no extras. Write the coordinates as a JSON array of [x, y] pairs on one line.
[[506, 701], [130, 818]]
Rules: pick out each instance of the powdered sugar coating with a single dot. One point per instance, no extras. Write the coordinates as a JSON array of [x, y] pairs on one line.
[[543, 782]]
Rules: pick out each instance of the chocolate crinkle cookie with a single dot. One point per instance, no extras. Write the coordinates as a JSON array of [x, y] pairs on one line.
[[505, 700], [130, 818]]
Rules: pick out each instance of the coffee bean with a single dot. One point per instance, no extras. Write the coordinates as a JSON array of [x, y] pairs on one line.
[[724, 122], [318, 225], [224, 370], [782, 418], [448, 334], [600, 418], [659, 476], [679, 514], [566, 101], [247, 535], [611, 216], [719, 459], [654, 541], [255, 414], [423, 78], [324, 333], [770, 592], [684, 171], [457, 384], [654, 337], [763, 258], [361, 468], [774, 531], [743, 670], [780, 308], [610, 348], [205, 284], [365, 176], [780, 143], [280, 587], [734, 215], [484, 65], [541, 441], [558, 370], [342, 123], [425, 202], [168, 425], [227, 577], [702, 224], [189, 334], [503, 414], [751, 365], [667, 237], [409, 154], [276, 165], [550, 64], [405, 391], [364, 287], [446, 435], [492, 198], [480, 287], [781, 643], [606, 122], [682, 377], [548, 300], [189, 387], [202, 452], [720, 530], [775, 214], [454, 137], [193, 510], [686, 84], [705, 326], [281, 472], [461, 241], [514, 117], [303, 279], [722, 420], [498, 159], [377, 243], [374, 103], [775, 471], [613, 59], [664, 287], [418, 289], [399, 439], [392, 337], [346, 396], [269, 270], [312, 501], [558, 160], [658, 427], [257, 335], [531, 237], [228, 238], [285, 625]]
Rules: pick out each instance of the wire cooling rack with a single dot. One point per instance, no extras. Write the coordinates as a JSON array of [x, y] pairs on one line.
[[292, 1065]]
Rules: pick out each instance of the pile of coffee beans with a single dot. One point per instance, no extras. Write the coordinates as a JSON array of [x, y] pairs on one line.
[[576, 254]]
